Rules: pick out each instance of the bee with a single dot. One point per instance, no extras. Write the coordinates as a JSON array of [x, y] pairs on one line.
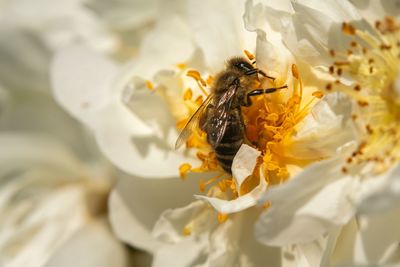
[[220, 116]]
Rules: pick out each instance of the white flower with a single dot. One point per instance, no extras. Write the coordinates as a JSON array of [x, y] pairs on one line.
[[57, 24], [133, 109], [354, 48], [53, 183], [52, 207]]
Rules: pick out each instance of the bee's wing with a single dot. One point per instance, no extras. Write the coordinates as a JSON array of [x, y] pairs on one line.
[[223, 109], [193, 122]]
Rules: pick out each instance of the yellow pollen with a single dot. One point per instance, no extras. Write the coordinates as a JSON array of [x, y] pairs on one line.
[[200, 81], [149, 85], [202, 185], [318, 94], [186, 231], [188, 94], [181, 66], [270, 122], [249, 55], [222, 217], [374, 67], [184, 169], [266, 205], [349, 29], [295, 71]]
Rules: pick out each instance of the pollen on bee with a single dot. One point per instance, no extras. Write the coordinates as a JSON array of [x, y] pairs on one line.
[[222, 217], [184, 169]]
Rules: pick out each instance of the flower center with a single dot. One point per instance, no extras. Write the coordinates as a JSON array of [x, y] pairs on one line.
[[269, 124], [372, 60]]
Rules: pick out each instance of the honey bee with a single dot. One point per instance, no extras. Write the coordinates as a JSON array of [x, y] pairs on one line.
[[220, 116]]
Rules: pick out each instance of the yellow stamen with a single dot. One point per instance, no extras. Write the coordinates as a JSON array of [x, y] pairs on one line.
[[318, 94], [188, 94], [249, 55]]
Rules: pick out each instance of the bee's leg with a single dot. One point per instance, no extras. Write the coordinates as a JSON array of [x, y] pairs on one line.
[[255, 92], [265, 75]]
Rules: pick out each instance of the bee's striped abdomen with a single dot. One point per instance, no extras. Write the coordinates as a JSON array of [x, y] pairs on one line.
[[231, 140]]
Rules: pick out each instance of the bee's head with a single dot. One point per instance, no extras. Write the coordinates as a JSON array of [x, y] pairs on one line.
[[241, 65]]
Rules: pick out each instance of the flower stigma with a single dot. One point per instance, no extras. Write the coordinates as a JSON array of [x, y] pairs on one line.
[[372, 61]]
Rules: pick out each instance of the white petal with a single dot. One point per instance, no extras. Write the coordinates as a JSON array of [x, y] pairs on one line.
[[126, 15], [82, 82], [379, 194], [154, 54], [124, 143], [60, 23], [376, 10], [32, 217], [92, 91], [78, 250], [329, 117], [195, 218], [271, 54], [135, 205], [233, 244], [307, 206], [217, 29], [243, 163], [367, 240], [241, 203], [23, 55], [190, 252], [24, 151]]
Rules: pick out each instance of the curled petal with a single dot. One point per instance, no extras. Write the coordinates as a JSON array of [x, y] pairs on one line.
[[132, 220], [241, 203], [308, 205], [243, 164]]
